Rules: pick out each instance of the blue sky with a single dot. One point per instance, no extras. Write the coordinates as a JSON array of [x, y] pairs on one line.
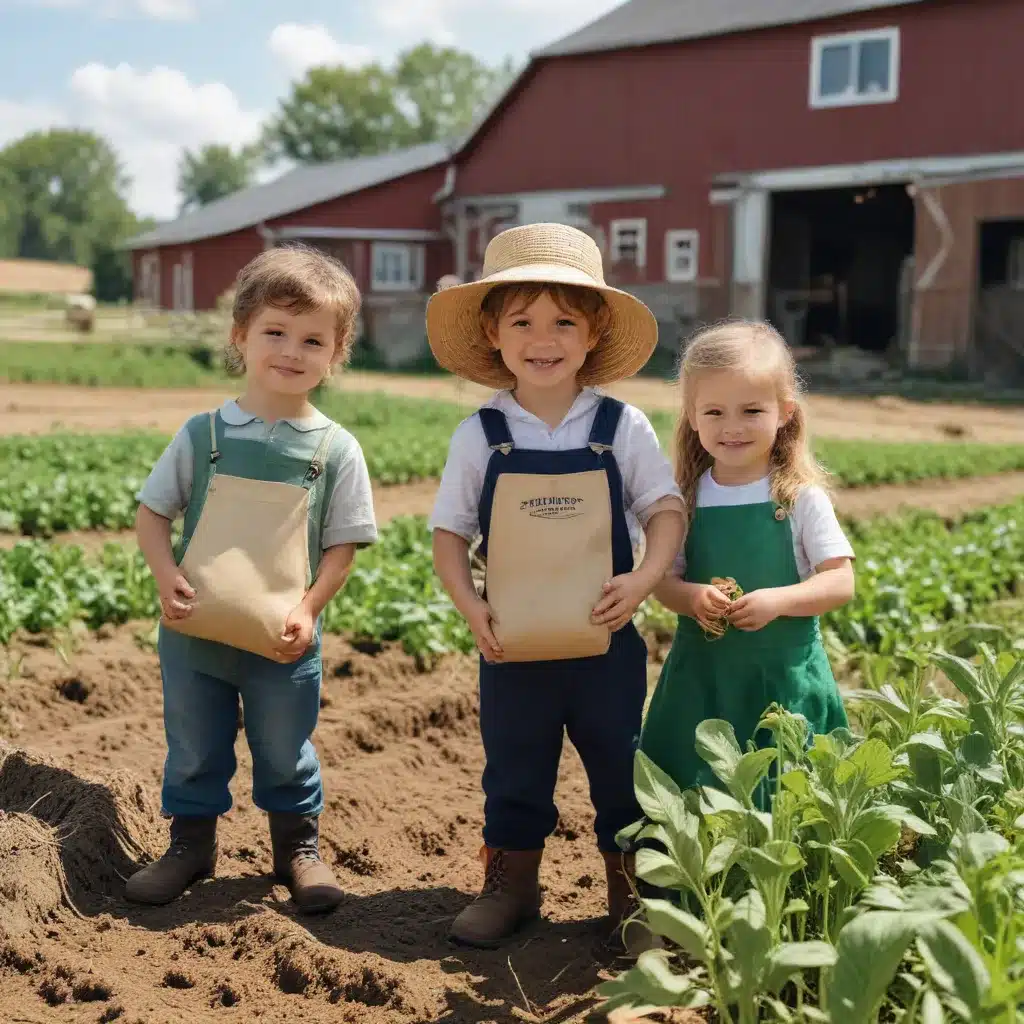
[[155, 76]]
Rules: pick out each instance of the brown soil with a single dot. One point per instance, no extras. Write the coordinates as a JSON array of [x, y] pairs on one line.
[[401, 757], [38, 408]]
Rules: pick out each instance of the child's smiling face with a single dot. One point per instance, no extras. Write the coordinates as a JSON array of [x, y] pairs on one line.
[[288, 353], [737, 417], [544, 345]]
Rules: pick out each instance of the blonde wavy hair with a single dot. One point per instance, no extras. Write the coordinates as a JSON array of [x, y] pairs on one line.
[[755, 348]]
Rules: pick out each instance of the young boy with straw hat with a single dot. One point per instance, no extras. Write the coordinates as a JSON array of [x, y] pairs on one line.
[[558, 480]]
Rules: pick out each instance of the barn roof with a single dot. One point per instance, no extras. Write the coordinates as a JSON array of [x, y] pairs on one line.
[[297, 189], [644, 22]]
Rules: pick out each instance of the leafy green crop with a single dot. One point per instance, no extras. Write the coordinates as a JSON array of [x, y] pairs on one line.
[[60, 482], [394, 595], [846, 896]]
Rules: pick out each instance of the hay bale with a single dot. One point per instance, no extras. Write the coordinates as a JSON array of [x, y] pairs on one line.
[[80, 312], [102, 828]]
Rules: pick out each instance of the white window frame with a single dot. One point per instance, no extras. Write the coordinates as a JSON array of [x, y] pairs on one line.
[[628, 224], [672, 238], [413, 260], [854, 39]]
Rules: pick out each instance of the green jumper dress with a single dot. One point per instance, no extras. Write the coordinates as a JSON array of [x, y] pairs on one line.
[[738, 675]]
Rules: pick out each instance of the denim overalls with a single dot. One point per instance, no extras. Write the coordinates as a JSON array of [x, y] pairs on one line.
[[526, 707], [203, 680]]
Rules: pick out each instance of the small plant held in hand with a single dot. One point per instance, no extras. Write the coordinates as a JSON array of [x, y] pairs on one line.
[[727, 585]]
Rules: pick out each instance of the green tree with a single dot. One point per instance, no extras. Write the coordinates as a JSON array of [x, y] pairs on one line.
[[212, 172], [11, 214], [336, 113], [432, 94], [445, 87], [70, 189]]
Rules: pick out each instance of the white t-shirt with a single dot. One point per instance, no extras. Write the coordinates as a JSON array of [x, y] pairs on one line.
[[349, 518], [647, 476], [817, 535]]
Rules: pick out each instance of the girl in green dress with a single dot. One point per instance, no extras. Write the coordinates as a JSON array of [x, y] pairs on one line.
[[759, 518]]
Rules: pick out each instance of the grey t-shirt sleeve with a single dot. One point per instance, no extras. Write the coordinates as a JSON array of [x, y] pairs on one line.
[[349, 518], [169, 485]]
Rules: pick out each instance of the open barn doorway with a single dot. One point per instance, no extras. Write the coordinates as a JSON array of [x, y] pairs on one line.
[[837, 257]]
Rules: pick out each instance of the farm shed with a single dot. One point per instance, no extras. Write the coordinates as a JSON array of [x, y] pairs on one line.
[[374, 213], [761, 157]]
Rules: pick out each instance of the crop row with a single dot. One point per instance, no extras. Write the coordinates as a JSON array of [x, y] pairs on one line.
[[914, 573], [860, 878], [59, 482]]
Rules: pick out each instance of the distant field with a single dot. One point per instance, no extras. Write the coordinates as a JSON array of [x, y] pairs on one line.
[[37, 277]]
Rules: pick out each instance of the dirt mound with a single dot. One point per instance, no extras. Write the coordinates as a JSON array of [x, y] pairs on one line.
[[32, 881], [98, 829]]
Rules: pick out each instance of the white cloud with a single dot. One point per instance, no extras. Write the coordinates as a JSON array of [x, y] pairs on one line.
[[162, 10], [148, 117], [439, 20], [18, 119], [301, 47]]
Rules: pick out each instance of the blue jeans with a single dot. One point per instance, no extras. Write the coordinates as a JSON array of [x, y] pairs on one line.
[[202, 684]]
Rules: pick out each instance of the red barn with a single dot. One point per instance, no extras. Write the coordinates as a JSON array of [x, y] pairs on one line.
[[851, 169], [377, 214]]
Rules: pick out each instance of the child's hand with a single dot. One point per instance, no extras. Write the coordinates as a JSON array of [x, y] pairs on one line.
[[709, 605], [175, 597], [479, 618], [622, 596], [755, 610], [298, 634]]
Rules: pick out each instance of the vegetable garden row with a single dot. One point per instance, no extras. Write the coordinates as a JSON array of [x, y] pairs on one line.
[[882, 881], [915, 573], [62, 482]]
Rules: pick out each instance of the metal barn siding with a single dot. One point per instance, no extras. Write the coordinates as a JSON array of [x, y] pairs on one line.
[[217, 261], [405, 203], [945, 309], [681, 114]]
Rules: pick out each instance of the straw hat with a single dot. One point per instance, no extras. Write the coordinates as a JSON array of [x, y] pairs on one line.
[[542, 254]]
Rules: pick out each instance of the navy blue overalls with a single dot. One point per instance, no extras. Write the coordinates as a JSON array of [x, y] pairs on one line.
[[526, 707]]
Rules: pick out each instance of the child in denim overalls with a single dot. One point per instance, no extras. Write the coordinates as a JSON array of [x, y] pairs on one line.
[[542, 326], [294, 316]]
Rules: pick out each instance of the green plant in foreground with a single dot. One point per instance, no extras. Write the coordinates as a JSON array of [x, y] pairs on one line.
[[813, 910]]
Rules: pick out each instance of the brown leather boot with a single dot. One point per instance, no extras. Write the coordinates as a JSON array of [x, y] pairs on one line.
[[192, 855], [295, 839], [510, 897], [628, 937]]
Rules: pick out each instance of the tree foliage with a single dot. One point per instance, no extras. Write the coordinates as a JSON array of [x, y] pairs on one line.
[[63, 198], [431, 94], [212, 172]]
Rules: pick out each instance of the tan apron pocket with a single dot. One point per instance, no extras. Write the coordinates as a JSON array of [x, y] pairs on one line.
[[248, 562], [549, 552]]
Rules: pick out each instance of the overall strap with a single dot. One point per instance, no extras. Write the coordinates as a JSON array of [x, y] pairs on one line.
[[606, 422], [321, 455], [214, 450], [499, 437]]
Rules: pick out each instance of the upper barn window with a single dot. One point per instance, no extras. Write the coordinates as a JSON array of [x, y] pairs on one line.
[[855, 68]]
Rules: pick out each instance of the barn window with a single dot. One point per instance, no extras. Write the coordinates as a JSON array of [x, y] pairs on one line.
[[681, 255], [629, 241], [855, 67], [397, 267]]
